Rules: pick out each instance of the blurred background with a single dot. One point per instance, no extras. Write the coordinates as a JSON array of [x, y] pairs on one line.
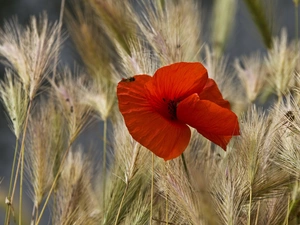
[[244, 39]]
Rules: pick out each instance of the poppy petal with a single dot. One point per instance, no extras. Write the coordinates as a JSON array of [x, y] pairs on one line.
[[214, 122], [177, 81], [130, 88], [212, 93], [167, 139]]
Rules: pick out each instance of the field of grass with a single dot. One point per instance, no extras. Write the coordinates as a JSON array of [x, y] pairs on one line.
[[49, 106]]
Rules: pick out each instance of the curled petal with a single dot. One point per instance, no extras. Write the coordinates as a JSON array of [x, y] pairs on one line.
[[167, 139], [214, 122], [212, 93]]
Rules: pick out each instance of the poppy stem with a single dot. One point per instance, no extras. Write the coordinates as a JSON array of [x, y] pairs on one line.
[[167, 203], [152, 189], [185, 167]]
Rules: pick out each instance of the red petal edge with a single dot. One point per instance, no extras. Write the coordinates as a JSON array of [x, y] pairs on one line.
[[214, 122], [212, 93]]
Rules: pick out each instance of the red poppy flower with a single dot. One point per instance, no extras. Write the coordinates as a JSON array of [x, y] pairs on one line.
[[157, 110]]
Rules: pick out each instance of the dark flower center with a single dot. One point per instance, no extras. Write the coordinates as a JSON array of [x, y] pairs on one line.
[[172, 107]]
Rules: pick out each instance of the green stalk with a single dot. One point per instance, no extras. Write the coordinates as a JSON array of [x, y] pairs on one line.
[[167, 201], [61, 14], [121, 204], [296, 24], [152, 190], [161, 5], [33, 214], [258, 15], [104, 161], [54, 182], [185, 167], [21, 161], [167, 208], [257, 213], [9, 197], [286, 220], [250, 203], [293, 203]]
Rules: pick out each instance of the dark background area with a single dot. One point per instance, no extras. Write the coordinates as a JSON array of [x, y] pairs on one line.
[[244, 39]]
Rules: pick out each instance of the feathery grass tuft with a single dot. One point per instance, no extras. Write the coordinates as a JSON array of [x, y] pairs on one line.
[[252, 74], [68, 92], [45, 143], [281, 63], [164, 26], [29, 51], [116, 21], [98, 55], [128, 182], [15, 100], [75, 199], [190, 201]]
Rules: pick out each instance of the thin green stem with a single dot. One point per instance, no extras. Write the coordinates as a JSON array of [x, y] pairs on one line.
[[250, 203], [257, 213], [258, 13], [296, 24], [286, 220], [161, 5], [152, 190], [21, 162], [121, 204], [9, 197], [185, 167], [293, 203], [61, 14], [104, 162], [167, 201], [167, 208], [33, 214], [54, 183], [21, 185]]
